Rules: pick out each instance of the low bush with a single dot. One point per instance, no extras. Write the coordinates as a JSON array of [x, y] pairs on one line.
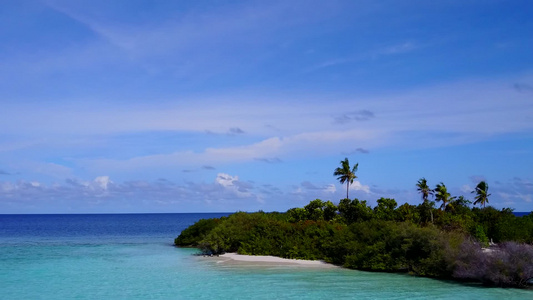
[[509, 264]]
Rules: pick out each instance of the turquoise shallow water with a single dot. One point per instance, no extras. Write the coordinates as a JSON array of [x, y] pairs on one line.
[[117, 257]]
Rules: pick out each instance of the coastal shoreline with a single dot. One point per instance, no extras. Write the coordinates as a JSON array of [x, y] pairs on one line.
[[234, 258]]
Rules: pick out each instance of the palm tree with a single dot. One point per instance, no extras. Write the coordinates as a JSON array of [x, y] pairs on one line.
[[441, 194], [345, 174], [423, 188], [482, 195]]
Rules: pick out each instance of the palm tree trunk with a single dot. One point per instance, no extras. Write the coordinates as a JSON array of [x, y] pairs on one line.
[[347, 187]]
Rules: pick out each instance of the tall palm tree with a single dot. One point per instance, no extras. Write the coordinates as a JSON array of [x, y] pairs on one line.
[[441, 194], [482, 193], [345, 174], [423, 188]]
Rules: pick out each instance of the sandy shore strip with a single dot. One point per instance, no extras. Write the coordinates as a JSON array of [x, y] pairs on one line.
[[270, 260]]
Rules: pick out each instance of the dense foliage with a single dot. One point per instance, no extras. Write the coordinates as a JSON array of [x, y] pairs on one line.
[[419, 239], [193, 235]]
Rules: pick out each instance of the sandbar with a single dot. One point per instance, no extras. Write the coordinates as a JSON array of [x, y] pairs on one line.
[[270, 260]]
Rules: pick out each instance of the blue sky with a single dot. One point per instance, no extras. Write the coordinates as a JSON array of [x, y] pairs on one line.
[[200, 106]]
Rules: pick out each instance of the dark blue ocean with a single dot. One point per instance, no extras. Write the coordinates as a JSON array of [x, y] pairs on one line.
[[131, 256], [521, 213]]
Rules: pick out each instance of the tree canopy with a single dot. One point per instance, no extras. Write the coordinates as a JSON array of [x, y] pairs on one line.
[[423, 188], [442, 195], [482, 193], [345, 174]]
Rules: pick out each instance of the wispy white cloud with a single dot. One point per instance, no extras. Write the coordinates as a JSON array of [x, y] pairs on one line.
[[104, 195], [466, 188], [28, 167], [197, 43], [358, 186], [233, 185], [268, 150], [363, 56], [462, 107]]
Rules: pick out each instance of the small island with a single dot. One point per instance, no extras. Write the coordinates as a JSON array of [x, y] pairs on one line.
[[454, 241]]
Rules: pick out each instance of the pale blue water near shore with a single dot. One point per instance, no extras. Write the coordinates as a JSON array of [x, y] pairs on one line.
[[132, 257]]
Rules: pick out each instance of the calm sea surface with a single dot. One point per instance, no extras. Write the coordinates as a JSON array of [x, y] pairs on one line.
[[130, 256]]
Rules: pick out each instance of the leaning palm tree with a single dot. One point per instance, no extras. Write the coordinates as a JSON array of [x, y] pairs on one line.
[[441, 194], [482, 193], [423, 188], [345, 174]]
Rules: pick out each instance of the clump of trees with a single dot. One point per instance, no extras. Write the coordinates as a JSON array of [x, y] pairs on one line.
[[446, 242], [386, 237]]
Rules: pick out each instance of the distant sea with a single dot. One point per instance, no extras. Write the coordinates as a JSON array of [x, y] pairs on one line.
[[131, 256], [521, 213]]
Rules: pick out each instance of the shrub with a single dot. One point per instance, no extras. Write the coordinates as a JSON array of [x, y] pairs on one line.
[[509, 265], [354, 211], [192, 235], [481, 237]]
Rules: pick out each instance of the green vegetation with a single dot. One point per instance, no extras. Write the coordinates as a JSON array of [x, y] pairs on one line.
[[419, 239], [193, 235], [442, 195], [482, 193]]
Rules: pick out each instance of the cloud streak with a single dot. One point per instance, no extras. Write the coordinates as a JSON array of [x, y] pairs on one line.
[[273, 160], [400, 112], [523, 87], [104, 195], [362, 115], [310, 134]]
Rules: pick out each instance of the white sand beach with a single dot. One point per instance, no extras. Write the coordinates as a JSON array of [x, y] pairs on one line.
[[269, 260]]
